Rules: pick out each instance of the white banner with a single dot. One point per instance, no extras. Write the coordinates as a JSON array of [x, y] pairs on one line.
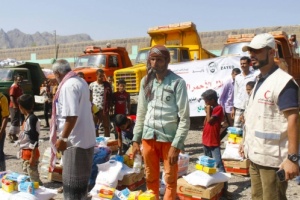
[[201, 75]]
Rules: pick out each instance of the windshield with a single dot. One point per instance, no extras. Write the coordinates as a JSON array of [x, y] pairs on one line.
[[235, 48], [91, 61], [6, 75], [142, 56], [173, 55]]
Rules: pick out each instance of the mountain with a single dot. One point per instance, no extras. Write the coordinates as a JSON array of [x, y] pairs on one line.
[[17, 39]]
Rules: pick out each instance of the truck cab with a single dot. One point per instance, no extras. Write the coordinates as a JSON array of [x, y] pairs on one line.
[[108, 59], [32, 75], [285, 58]]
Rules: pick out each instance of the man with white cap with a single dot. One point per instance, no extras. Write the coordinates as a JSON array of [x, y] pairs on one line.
[[271, 131]]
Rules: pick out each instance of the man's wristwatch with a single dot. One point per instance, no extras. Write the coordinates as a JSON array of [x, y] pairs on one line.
[[293, 157], [63, 139]]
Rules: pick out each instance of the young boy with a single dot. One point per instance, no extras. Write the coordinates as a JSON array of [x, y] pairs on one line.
[[212, 125], [121, 100], [124, 128], [29, 138], [249, 87]]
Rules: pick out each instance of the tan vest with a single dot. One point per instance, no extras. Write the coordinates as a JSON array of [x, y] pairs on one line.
[[266, 140]]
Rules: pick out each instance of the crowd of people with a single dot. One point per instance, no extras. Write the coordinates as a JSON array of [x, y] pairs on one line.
[[251, 100]]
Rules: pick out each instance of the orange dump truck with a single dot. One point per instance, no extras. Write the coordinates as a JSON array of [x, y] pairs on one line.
[[108, 59], [285, 57]]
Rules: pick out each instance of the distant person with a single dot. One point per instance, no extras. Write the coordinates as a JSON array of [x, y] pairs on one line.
[[249, 88], [81, 75], [29, 138], [110, 79], [101, 96], [72, 131], [271, 137], [46, 93], [240, 93], [15, 92], [226, 97], [4, 114], [293, 42], [121, 101], [124, 127]]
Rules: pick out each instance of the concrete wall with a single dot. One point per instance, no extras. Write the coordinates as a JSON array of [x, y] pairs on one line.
[[212, 41]]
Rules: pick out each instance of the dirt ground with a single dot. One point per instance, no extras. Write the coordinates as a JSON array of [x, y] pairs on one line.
[[239, 186]]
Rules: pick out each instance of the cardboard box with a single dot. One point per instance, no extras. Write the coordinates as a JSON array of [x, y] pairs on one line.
[[112, 144], [186, 189], [133, 186], [237, 164], [53, 176], [57, 169], [186, 197], [129, 179], [241, 171]]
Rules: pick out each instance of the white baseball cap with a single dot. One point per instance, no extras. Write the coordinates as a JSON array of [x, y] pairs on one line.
[[261, 41]]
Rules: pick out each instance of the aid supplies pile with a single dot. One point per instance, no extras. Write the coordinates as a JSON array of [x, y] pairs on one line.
[[235, 135], [233, 162], [204, 183], [18, 186], [206, 164]]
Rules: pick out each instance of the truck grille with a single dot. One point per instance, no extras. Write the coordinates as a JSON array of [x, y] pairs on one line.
[[130, 78]]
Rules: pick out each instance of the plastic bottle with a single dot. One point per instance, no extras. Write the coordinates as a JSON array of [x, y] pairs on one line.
[[137, 163]]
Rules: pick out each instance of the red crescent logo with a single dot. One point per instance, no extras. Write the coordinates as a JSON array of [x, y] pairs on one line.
[[267, 96], [180, 188]]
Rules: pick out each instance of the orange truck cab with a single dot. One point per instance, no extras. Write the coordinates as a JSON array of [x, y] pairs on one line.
[[285, 57], [108, 59]]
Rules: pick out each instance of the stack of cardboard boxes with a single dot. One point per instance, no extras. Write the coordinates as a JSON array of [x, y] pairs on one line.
[[236, 166]]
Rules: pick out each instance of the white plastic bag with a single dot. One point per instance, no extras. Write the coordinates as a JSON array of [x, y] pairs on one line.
[[108, 173], [232, 152], [201, 178]]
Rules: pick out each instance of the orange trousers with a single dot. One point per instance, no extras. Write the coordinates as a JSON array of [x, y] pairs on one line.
[[153, 151]]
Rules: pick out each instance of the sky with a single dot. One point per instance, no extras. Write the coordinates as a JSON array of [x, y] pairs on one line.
[[117, 19]]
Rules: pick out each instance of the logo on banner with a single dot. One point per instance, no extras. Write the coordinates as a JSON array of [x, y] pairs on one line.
[[227, 67], [212, 67]]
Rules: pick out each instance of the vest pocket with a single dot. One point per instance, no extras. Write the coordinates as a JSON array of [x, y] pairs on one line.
[[267, 143]]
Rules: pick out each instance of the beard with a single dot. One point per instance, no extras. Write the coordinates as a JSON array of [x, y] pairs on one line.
[[262, 63]]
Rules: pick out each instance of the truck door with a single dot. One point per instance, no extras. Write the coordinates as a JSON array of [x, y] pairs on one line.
[[113, 64]]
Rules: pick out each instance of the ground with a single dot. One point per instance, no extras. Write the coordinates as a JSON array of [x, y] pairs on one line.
[[239, 186]]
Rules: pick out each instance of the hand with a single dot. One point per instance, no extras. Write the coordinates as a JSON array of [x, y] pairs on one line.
[[2, 133], [242, 119], [232, 114], [241, 151], [135, 149], [31, 162], [60, 145], [207, 108], [291, 169], [120, 152], [173, 155]]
